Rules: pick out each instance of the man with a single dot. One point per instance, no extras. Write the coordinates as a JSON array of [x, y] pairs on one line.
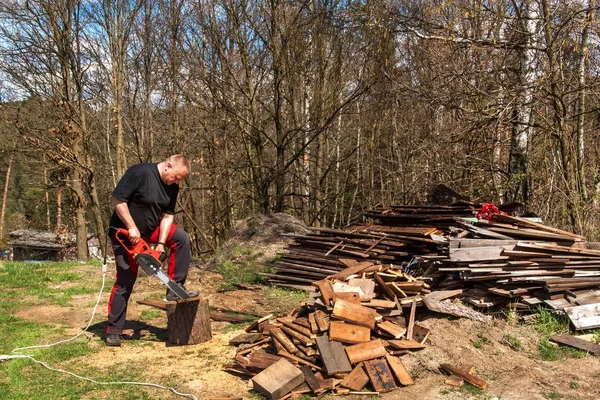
[[144, 202]]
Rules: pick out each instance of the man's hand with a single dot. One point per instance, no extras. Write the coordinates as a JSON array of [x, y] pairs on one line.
[[134, 235], [160, 247]]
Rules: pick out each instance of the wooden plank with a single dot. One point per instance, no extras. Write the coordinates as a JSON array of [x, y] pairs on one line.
[[479, 253], [378, 303], [572, 341], [411, 320], [354, 313], [392, 329], [357, 379], [380, 375], [420, 333], [386, 290], [244, 338], [326, 290], [406, 344], [399, 370], [349, 333], [260, 360], [311, 379], [365, 351], [355, 269], [584, 317], [314, 327], [322, 320], [277, 334], [352, 297], [333, 356], [278, 380], [305, 340], [366, 285], [472, 379], [289, 322]]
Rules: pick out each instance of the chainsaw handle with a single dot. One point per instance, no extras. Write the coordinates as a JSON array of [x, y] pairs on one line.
[[163, 257], [120, 232]]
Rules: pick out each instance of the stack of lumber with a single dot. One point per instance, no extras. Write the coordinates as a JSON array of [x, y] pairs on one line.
[[348, 338], [442, 217], [316, 255]]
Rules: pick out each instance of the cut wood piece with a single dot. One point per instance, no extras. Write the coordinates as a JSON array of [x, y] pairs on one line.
[[365, 351], [454, 380], [311, 380], [584, 317], [289, 322], [333, 356], [411, 320], [314, 327], [299, 360], [352, 297], [384, 288], [322, 320], [355, 269], [357, 379], [349, 333], [278, 335], [354, 313], [399, 370], [367, 286], [256, 323], [326, 290], [278, 380], [379, 303], [420, 333], [260, 360], [380, 375], [472, 379], [245, 338], [392, 329], [305, 340], [406, 344], [572, 341]]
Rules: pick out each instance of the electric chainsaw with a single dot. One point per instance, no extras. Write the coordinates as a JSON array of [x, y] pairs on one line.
[[150, 260]]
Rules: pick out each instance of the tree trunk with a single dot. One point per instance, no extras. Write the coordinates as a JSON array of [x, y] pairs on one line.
[[188, 322], [5, 193]]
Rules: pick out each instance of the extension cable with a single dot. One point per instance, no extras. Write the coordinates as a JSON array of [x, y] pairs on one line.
[[6, 357]]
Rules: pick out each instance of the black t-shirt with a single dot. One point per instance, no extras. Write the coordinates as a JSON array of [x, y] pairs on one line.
[[147, 196]]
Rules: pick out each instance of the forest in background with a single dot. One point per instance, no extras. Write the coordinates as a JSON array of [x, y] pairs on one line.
[[317, 108]]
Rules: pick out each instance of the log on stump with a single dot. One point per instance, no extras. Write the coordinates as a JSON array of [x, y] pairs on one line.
[[188, 322]]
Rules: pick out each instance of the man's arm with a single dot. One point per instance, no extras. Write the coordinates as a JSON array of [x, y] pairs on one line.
[[122, 210], [163, 233]]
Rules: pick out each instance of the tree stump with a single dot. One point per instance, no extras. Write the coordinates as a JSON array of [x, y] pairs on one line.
[[188, 322]]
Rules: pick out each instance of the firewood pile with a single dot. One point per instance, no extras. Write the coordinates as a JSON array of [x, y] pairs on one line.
[[347, 338], [497, 262]]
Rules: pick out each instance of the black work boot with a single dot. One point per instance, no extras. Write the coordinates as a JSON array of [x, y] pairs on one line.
[[113, 339], [171, 296]]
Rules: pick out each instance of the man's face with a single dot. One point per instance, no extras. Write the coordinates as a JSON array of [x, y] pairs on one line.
[[174, 174]]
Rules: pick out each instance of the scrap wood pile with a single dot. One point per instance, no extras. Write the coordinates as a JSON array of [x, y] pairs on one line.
[[497, 259], [347, 338]]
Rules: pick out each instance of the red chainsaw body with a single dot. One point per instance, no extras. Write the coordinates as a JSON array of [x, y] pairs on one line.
[[141, 247]]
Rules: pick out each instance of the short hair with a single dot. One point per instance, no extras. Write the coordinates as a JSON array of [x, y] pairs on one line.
[[179, 160]]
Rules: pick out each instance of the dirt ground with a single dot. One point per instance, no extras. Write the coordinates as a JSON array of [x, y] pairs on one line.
[[197, 369]]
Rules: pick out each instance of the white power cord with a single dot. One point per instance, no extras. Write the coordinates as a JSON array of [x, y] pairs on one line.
[[6, 357]]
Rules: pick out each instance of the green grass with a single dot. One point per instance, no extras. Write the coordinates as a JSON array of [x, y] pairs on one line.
[[240, 265], [151, 314], [481, 341], [548, 324], [512, 341]]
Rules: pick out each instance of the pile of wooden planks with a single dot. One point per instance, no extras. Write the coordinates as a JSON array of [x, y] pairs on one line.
[[500, 261], [314, 256], [348, 338]]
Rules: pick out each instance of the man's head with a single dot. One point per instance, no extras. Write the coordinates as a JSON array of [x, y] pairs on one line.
[[174, 169]]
